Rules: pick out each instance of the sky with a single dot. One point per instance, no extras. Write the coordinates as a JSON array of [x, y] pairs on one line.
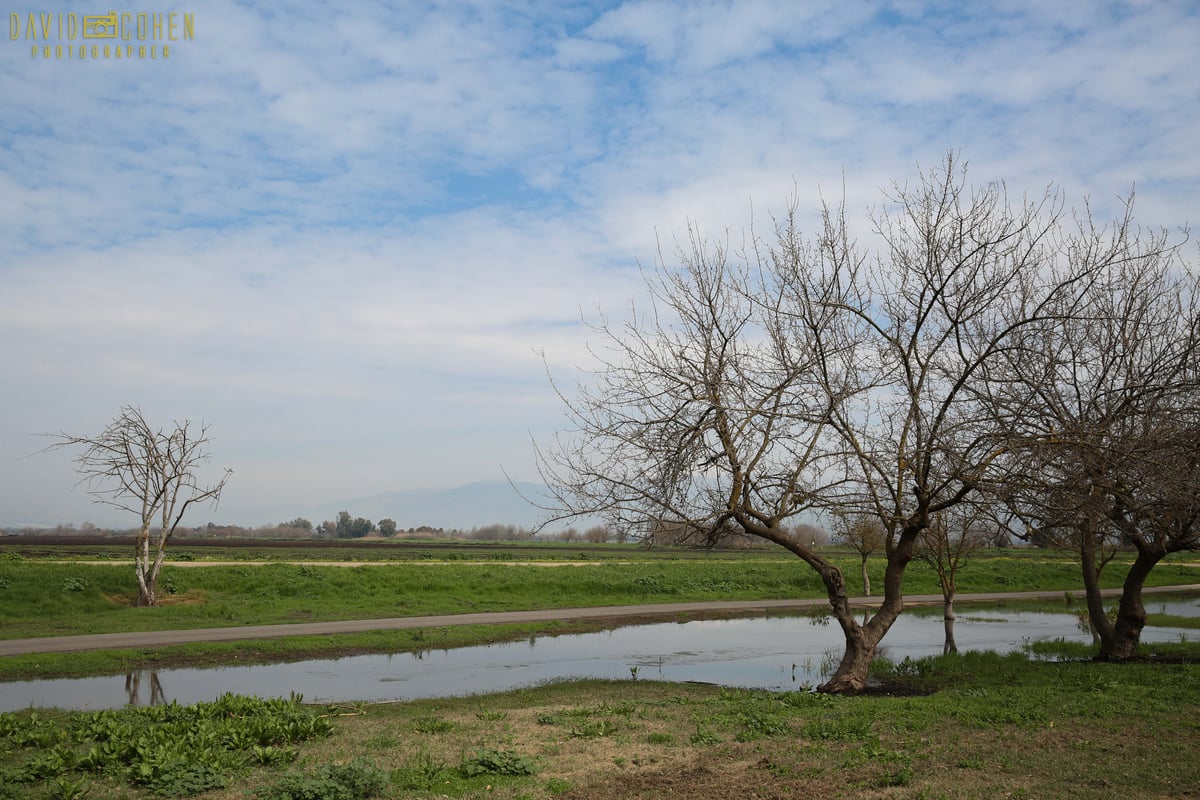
[[355, 238]]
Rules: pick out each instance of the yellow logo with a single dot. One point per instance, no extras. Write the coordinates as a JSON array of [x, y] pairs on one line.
[[114, 35], [101, 27]]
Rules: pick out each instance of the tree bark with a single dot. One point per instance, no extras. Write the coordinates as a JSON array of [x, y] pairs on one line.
[[1125, 635], [1102, 628], [863, 640], [866, 578]]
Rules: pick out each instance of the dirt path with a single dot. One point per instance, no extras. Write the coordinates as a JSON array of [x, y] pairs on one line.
[[114, 641]]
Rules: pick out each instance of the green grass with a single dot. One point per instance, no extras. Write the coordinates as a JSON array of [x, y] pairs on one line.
[[966, 727], [42, 599]]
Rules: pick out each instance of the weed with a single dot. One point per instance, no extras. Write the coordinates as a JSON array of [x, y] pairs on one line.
[[497, 762], [761, 724], [661, 738], [355, 780], [423, 772], [432, 725], [594, 729], [491, 716], [271, 755], [64, 789], [74, 584], [558, 786]]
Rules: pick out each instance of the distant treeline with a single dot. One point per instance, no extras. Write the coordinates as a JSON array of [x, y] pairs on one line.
[[349, 527]]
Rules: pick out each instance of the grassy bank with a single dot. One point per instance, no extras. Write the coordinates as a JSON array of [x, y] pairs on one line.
[[44, 599], [41, 599], [971, 726]]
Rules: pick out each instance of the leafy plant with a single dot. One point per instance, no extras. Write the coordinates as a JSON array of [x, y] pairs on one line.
[[423, 772], [271, 755], [432, 725], [594, 729], [64, 789], [355, 780], [497, 762]]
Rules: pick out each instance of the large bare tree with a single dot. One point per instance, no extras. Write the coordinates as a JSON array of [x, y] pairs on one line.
[[1103, 408], [804, 374], [151, 473]]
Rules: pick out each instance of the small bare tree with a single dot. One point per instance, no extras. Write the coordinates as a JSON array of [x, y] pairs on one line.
[[950, 540], [864, 533], [149, 473]]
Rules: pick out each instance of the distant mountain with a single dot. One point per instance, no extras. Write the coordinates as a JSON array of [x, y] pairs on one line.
[[464, 507]]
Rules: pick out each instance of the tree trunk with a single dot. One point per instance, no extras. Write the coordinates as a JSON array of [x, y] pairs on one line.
[[863, 640], [852, 671], [1125, 635], [1102, 628], [147, 594], [866, 578]]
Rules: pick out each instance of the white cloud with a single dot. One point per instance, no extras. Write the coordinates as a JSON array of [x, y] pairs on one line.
[[344, 235]]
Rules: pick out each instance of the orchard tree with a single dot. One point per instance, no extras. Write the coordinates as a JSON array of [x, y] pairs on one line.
[[1102, 406], [151, 473], [951, 538], [863, 533], [804, 374]]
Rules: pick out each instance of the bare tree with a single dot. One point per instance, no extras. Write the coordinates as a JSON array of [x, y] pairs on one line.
[[149, 473], [810, 374], [864, 534], [950, 540], [597, 534], [1103, 407]]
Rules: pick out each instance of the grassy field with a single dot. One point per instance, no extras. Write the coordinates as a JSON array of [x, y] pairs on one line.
[[41, 598], [971, 726]]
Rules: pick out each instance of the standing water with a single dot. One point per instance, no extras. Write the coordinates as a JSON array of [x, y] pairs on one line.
[[761, 652]]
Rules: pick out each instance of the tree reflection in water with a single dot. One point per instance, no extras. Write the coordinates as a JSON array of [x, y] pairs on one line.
[[133, 688]]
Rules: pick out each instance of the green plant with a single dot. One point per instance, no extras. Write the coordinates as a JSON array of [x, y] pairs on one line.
[[355, 780], [432, 725], [491, 716], [761, 724], [594, 729], [74, 584], [64, 789], [497, 762], [271, 755], [558, 786], [423, 772]]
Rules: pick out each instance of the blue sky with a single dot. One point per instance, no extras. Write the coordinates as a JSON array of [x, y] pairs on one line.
[[342, 234]]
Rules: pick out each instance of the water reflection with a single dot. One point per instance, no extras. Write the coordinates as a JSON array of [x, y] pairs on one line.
[[765, 652], [133, 688]]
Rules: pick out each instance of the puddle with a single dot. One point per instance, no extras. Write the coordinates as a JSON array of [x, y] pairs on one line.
[[761, 652]]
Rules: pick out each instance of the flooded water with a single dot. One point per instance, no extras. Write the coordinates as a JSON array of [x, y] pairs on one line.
[[762, 652]]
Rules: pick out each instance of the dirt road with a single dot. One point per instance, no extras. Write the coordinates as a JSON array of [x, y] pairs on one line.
[[114, 641]]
